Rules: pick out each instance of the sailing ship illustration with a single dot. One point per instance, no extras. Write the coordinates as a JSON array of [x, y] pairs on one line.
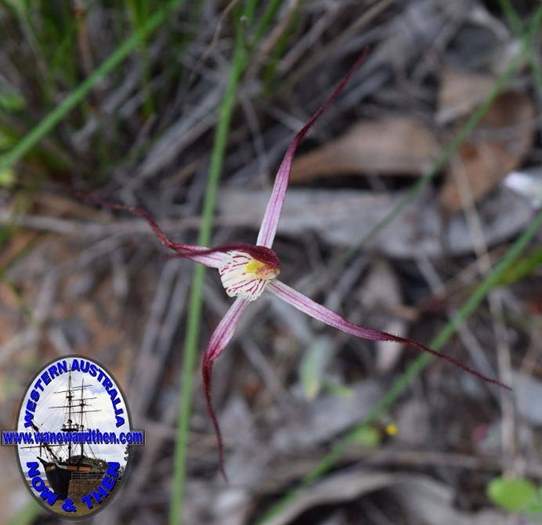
[[72, 469]]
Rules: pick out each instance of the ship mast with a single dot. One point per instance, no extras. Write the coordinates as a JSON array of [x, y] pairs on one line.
[[75, 407], [81, 412], [68, 425]]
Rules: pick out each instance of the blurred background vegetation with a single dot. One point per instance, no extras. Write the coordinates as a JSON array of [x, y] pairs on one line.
[[416, 199]]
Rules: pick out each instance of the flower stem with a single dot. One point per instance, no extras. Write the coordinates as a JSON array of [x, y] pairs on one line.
[[191, 343]]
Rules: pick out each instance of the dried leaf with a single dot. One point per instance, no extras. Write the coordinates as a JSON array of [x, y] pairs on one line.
[[500, 143], [391, 146], [343, 218], [460, 93]]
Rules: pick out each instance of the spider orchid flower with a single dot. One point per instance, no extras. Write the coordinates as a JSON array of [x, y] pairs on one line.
[[247, 271]]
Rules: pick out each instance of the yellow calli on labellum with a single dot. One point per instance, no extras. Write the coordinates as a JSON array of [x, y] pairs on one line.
[[244, 276]]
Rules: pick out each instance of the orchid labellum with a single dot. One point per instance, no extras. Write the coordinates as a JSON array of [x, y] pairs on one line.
[[247, 271]]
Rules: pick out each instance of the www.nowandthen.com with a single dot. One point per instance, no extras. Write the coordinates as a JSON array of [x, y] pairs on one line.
[[91, 437]]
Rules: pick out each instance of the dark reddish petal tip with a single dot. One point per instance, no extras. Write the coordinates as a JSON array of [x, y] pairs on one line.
[[140, 212], [327, 316], [268, 228], [207, 373], [220, 338], [415, 344], [212, 257]]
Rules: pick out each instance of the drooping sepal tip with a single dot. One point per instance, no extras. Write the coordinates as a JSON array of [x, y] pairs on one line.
[[207, 373]]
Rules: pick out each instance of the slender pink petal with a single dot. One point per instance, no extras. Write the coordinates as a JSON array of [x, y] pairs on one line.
[[309, 307], [215, 257], [212, 257], [201, 254], [220, 338], [271, 217]]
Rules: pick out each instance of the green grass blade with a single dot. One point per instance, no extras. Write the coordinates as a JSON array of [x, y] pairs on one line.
[[523, 268], [191, 342], [138, 12], [78, 95], [512, 16], [271, 10], [518, 27]]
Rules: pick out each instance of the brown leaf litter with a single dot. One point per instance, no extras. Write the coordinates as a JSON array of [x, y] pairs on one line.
[[406, 145]]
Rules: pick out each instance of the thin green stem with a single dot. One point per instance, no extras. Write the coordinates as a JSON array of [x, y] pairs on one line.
[[512, 16], [78, 95], [138, 12], [518, 27], [191, 342], [270, 11]]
